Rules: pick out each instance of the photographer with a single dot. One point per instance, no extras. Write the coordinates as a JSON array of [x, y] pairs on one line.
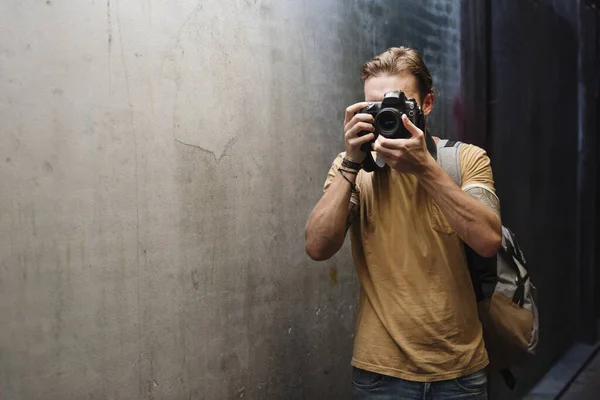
[[417, 333]]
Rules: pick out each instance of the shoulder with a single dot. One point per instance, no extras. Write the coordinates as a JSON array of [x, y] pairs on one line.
[[476, 168], [473, 157], [470, 150]]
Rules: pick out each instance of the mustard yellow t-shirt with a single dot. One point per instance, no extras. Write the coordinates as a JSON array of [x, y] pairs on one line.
[[417, 314]]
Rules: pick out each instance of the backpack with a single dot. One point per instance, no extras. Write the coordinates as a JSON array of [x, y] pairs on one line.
[[506, 297]]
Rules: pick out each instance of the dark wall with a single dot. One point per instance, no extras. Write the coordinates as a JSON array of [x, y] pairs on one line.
[[532, 132], [508, 77], [589, 130], [517, 78]]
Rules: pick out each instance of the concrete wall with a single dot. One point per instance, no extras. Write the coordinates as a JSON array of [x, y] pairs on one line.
[[158, 162]]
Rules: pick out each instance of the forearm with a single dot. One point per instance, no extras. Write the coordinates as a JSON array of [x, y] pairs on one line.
[[474, 222], [327, 225]]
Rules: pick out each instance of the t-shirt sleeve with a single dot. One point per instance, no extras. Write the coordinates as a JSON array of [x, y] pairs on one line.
[[333, 171], [477, 174], [475, 167]]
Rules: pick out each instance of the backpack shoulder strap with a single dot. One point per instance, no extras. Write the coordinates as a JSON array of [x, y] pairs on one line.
[[448, 156]]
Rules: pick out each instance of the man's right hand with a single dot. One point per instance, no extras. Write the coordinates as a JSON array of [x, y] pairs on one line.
[[353, 125]]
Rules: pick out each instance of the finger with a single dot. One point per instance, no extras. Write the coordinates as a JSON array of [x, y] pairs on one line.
[[362, 117], [359, 127], [414, 131], [399, 144], [385, 152], [350, 111], [357, 141], [390, 161], [394, 144]]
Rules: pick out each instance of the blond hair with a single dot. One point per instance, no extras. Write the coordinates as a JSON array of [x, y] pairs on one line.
[[397, 61]]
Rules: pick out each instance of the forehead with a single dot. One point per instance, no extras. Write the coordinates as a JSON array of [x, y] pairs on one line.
[[377, 86]]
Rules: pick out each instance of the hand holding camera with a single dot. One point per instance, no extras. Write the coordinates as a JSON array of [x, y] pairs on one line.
[[358, 131], [397, 134], [404, 155]]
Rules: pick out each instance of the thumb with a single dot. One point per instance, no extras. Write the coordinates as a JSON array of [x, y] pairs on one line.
[[410, 127]]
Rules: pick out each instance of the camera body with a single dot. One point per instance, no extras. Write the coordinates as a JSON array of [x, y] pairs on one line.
[[388, 117]]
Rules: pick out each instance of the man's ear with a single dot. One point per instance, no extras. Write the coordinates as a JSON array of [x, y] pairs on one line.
[[428, 103]]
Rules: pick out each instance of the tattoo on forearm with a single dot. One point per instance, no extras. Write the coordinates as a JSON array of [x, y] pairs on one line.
[[352, 214], [486, 197]]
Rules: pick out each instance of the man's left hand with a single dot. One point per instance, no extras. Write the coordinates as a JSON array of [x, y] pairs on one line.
[[405, 155]]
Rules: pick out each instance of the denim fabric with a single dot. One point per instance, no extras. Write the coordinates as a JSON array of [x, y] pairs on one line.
[[370, 385]]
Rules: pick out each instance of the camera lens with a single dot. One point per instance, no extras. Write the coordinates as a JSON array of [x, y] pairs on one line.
[[388, 121]]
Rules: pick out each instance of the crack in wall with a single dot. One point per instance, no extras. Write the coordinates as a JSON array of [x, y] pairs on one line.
[[228, 146], [208, 77]]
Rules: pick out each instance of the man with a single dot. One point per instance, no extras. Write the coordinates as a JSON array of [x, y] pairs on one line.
[[418, 334]]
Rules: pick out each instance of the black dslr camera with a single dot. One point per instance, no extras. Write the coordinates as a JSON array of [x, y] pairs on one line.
[[388, 122], [388, 116]]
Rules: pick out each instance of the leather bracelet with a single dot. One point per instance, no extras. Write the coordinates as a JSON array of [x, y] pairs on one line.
[[352, 185], [351, 164]]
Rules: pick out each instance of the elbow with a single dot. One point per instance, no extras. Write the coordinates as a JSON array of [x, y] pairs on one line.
[[316, 252], [319, 248], [490, 248]]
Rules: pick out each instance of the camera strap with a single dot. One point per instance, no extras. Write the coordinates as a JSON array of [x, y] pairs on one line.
[[371, 164]]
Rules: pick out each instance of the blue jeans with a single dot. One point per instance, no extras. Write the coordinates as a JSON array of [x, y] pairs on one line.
[[368, 385]]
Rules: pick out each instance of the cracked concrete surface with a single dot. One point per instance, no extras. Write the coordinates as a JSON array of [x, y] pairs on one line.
[[159, 161]]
